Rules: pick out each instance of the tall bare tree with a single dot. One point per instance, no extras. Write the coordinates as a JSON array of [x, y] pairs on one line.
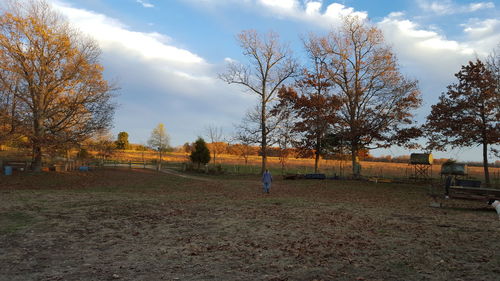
[[376, 99], [493, 65], [270, 65], [60, 93]]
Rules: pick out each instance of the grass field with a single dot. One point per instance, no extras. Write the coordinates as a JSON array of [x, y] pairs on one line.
[[122, 224], [235, 165]]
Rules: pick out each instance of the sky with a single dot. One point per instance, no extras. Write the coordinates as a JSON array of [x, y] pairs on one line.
[[165, 55]]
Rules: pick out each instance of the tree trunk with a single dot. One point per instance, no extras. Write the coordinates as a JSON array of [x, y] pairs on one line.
[[485, 165], [317, 154], [263, 145], [283, 162], [264, 154], [354, 159], [159, 164], [316, 162], [37, 158]]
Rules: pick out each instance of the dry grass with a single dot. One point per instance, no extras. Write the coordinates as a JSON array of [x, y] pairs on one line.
[[330, 167], [141, 225]]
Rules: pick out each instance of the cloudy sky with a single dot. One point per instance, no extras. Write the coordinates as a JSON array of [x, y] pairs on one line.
[[165, 54]]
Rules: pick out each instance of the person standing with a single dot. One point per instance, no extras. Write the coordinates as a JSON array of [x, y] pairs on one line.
[[267, 179]]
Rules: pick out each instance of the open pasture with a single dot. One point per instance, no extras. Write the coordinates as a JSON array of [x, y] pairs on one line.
[[122, 224], [235, 164]]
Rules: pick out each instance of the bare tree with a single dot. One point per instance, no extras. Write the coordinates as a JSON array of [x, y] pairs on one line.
[[243, 149], [216, 137], [376, 100], [54, 75], [270, 65], [493, 65], [103, 144], [245, 137]]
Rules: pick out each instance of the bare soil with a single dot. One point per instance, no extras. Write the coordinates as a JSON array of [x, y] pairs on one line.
[[122, 224]]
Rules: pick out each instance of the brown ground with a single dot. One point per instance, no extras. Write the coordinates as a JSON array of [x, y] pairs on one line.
[[143, 225]]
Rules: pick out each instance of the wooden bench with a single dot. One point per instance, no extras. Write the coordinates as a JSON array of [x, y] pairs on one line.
[[473, 193], [467, 189]]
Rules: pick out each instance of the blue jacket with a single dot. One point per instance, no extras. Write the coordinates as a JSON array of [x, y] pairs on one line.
[[267, 178]]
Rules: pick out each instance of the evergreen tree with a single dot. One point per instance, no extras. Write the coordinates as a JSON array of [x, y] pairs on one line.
[[200, 153]]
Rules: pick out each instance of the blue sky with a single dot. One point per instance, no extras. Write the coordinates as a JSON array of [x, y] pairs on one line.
[[165, 54]]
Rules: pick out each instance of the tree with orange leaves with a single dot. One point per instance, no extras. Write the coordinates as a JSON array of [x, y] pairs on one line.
[[315, 114], [376, 100], [468, 113], [312, 103], [61, 95]]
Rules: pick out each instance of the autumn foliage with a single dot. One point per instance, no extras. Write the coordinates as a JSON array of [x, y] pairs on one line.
[[51, 79], [315, 114], [468, 114]]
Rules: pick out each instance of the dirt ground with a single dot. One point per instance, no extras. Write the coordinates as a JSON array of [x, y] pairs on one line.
[[142, 225]]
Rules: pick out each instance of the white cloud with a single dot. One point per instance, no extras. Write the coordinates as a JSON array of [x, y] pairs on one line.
[[280, 4], [482, 28], [230, 60], [111, 33], [480, 6], [158, 81], [396, 15], [483, 35], [427, 53], [145, 4], [311, 11], [448, 7]]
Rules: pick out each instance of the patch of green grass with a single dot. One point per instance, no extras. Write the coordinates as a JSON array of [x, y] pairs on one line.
[[13, 221]]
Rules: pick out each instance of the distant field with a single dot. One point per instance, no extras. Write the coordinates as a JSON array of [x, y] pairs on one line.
[[331, 167], [134, 224], [235, 164]]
